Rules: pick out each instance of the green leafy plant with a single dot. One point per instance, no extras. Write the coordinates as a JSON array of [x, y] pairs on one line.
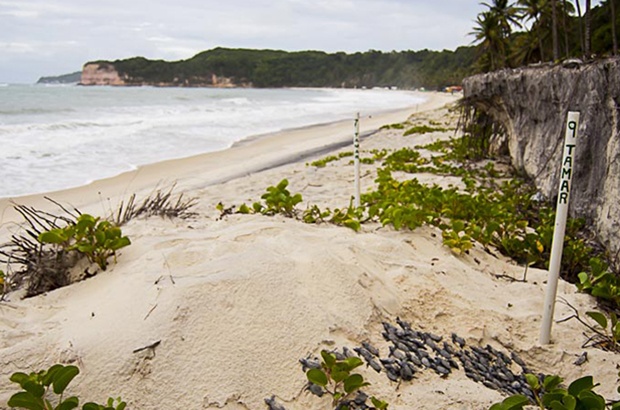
[[395, 126], [320, 163], [609, 336], [422, 129], [97, 239], [456, 239], [38, 386], [349, 217], [336, 378], [278, 200], [548, 394], [601, 283]]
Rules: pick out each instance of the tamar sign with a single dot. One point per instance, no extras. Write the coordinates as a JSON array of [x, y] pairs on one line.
[[566, 176]]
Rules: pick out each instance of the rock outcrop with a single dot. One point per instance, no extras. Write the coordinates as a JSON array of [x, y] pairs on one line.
[[532, 104], [100, 74], [104, 73]]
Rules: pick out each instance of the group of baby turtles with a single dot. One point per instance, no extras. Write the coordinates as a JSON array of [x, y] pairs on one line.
[[412, 351]]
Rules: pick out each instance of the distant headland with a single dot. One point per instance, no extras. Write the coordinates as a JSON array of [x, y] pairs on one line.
[[72, 78], [222, 67]]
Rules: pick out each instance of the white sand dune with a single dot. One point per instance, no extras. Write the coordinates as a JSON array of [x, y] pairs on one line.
[[231, 305]]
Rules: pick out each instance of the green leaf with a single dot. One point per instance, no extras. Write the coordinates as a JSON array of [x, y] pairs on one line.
[[34, 388], [92, 406], [379, 404], [555, 395], [591, 401], [569, 402], [556, 405], [283, 184], [599, 318], [353, 362], [119, 243], [100, 237], [63, 377], [113, 232], [26, 400], [19, 378], [515, 402], [353, 382], [317, 376], [328, 358], [55, 236], [551, 382], [339, 376], [48, 375], [583, 384], [68, 404], [532, 381], [85, 248]]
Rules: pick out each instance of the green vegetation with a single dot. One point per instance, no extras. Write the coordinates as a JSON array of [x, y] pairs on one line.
[[320, 163], [349, 217], [496, 210], [49, 246], [423, 129], [96, 239], [272, 68], [36, 391], [611, 333], [515, 33], [600, 282], [278, 200], [397, 126], [549, 394], [335, 378]]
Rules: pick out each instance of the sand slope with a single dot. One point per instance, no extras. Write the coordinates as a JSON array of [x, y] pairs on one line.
[[231, 305]]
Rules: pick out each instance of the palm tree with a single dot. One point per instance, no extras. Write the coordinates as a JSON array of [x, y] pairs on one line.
[[533, 10], [488, 34], [581, 37], [614, 39], [554, 30], [587, 51], [506, 15]]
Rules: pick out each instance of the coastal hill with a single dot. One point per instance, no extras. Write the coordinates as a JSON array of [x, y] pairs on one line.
[[222, 67], [71, 78]]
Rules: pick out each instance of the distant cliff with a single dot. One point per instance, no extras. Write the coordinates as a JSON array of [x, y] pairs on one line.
[[61, 79], [532, 104], [222, 67], [100, 74]]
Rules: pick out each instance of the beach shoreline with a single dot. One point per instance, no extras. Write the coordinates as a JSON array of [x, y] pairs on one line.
[[249, 155]]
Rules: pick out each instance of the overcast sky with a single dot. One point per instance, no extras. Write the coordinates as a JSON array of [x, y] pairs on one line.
[[52, 37]]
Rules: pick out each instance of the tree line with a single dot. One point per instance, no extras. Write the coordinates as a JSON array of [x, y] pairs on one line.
[[515, 33], [274, 68]]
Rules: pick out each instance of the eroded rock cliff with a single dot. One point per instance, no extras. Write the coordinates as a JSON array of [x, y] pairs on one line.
[[532, 104], [104, 73], [100, 74]]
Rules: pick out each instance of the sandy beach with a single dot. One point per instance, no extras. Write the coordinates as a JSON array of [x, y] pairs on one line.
[[230, 305]]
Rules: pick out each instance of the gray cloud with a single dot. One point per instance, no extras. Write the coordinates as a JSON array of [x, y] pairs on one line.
[[47, 37]]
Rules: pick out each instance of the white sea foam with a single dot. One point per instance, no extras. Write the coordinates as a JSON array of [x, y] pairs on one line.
[[59, 137]]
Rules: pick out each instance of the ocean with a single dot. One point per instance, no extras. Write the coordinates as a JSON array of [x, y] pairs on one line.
[[57, 137]]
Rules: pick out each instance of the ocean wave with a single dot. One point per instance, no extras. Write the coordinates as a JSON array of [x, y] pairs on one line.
[[62, 137], [36, 111]]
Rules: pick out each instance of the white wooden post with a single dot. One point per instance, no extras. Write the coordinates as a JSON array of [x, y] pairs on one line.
[[561, 213], [356, 159]]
